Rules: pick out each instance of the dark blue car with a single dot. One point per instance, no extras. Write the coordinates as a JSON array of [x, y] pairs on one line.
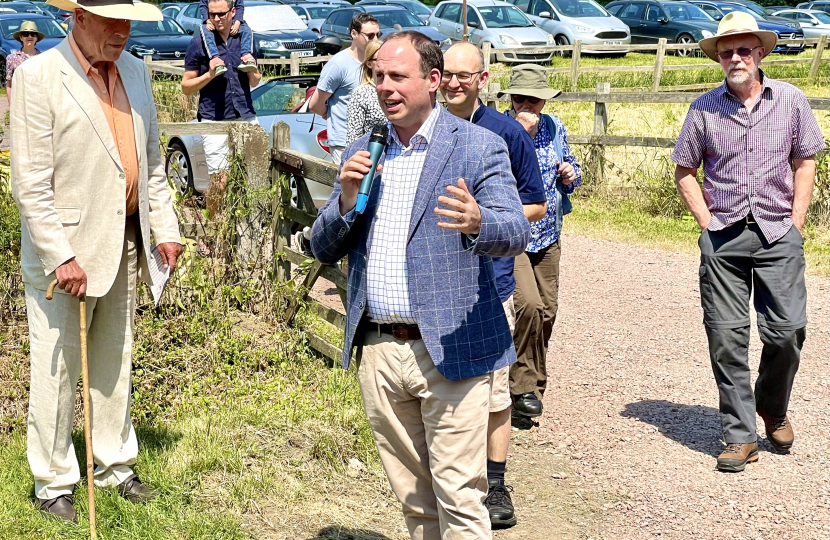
[[10, 23], [163, 40], [717, 10]]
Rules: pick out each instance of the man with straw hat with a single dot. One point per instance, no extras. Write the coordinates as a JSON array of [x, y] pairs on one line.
[[88, 180], [28, 35], [750, 134]]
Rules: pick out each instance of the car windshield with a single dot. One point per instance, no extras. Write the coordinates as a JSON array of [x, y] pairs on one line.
[[156, 28], [417, 8], [686, 12], [504, 17], [756, 8], [276, 97], [320, 12], [742, 8], [50, 28], [580, 8], [388, 19], [822, 17], [271, 18]]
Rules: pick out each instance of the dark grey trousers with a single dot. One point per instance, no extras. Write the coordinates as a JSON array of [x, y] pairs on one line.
[[735, 262]]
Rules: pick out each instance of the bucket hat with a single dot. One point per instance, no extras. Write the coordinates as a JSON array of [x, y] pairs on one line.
[[132, 10], [28, 26], [738, 23], [530, 80]]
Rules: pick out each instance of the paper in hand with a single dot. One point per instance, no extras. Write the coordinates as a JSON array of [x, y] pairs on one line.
[[159, 275]]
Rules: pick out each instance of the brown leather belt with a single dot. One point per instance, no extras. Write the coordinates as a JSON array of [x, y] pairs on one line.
[[400, 331]]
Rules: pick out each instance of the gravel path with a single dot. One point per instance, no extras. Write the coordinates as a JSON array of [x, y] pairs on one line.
[[633, 405]]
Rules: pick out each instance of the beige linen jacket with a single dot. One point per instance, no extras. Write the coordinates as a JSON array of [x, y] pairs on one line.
[[67, 176]]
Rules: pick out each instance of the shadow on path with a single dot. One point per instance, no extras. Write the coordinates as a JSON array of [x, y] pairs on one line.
[[695, 426], [339, 533]]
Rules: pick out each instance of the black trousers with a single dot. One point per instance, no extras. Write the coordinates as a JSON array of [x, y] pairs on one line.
[[734, 263]]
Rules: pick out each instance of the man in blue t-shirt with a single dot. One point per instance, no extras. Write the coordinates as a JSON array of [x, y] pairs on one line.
[[339, 77], [464, 76]]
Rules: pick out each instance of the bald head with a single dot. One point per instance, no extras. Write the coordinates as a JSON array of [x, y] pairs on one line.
[[465, 54]]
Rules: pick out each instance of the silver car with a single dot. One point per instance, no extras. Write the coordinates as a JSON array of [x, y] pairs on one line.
[[501, 24], [571, 20], [274, 101], [813, 22]]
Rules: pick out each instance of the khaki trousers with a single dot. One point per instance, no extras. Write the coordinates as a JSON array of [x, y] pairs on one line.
[[536, 299], [431, 434], [56, 366]]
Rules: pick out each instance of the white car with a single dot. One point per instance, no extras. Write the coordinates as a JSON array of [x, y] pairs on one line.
[[813, 22]]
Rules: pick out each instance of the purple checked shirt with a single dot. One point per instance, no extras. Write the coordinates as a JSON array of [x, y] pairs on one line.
[[746, 154]]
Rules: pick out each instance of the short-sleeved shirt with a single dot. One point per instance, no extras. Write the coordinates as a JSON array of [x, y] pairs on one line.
[[339, 77], [746, 153], [525, 167], [228, 96], [14, 59]]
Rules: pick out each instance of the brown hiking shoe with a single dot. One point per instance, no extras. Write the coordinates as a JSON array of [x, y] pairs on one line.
[[60, 507], [779, 432], [736, 455], [135, 491]]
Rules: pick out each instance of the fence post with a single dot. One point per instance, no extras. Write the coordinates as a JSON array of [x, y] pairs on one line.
[[577, 52], [295, 63], [658, 65], [492, 100], [282, 226], [148, 61], [822, 43], [485, 51], [600, 129]]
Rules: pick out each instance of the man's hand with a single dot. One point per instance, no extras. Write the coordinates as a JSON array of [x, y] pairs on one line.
[[209, 25], [351, 175], [529, 121], [567, 173], [170, 252], [214, 62], [71, 278], [798, 221], [464, 214], [235, 27]]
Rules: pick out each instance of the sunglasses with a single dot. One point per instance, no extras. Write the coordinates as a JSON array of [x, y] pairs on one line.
[[217, 14], [522, 99], [371, 36], [743, 52], [28, 34]]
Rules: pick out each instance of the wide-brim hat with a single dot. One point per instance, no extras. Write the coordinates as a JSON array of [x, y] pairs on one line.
[[738, 23], [530, 80], [28, 26], [132, 10]]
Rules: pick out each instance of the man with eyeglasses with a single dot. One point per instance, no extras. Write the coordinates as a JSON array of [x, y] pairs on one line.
[[750, 133], [339, 77], [463, 78]]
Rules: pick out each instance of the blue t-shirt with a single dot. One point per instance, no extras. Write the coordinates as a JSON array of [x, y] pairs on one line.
[[227, 97], [339, 77], [525, 168]]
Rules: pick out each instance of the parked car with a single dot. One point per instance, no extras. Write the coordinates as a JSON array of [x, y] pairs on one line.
[[570, 20], [313, 14], [60, 15], [10, 23], [390, 18], [678, 22], [822, 5], [26, 7], [763, 11], [813, 22], [417, 8], [278, 31], [171, 9], [502, 25], [163, 40], [717, 10], [274, 102]]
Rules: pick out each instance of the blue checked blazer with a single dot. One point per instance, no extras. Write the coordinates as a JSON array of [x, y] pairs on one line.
[[452, 287]]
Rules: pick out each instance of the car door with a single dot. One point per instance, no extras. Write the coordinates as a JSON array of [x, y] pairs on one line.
[[474, 25], [655, 25], [632, 15], [447, 21], [551, 22], [190, 18]]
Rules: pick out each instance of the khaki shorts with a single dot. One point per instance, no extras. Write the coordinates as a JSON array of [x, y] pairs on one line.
[[499, 383]]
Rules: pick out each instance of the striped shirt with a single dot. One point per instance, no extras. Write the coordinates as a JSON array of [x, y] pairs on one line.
[[388, 288], [746, 154]]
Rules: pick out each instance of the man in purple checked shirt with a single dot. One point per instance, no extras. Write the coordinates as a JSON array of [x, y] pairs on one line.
[[750, 134]]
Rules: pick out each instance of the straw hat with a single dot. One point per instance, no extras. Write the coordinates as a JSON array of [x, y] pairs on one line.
[[530, 80], [28, 26], [132, 10], [738, 23]]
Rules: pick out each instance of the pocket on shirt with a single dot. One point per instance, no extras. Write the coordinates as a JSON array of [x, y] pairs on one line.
[[68, 215]]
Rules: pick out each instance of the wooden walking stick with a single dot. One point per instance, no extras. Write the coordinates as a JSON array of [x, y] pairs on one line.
[[90, 464]]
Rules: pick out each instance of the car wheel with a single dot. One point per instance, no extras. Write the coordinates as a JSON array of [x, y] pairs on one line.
[[683, 40], [178, 169], [562, 41]]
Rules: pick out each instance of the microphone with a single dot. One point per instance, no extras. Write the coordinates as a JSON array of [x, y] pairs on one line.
[[377, 144]]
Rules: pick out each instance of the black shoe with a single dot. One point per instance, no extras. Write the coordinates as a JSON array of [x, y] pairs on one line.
[[59, 507], [527, 404], [500, 506], [134, 491]]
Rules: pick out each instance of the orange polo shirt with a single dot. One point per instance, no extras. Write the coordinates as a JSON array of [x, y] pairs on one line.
[[116, 106]]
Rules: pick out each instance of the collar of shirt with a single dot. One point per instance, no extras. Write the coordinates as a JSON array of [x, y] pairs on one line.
[[765, 86], [424, 132], [91, 72]]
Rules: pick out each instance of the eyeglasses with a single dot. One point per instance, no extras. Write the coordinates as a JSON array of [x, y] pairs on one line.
[[743, 52], [531, 100], [462, 77], [372, 36], [217, 14], [28, 34]]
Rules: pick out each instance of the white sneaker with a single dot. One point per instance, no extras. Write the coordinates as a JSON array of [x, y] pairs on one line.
[[247, 67]]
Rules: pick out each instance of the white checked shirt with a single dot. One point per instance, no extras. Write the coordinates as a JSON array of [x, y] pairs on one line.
[[388, 287]]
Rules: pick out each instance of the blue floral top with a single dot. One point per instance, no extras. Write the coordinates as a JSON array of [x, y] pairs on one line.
[[546, 231]]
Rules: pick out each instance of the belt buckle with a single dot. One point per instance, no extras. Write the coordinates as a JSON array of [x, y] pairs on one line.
[[749, 219], [400, 332]]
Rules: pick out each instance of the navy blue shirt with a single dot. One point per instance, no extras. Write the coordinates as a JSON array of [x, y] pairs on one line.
[[228, 96], [525, 166]]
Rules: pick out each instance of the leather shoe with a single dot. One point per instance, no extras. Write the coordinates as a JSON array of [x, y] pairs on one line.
[[134, 491], [779, 432], [500, 505], [736, 455], [527, 404], [59, 507]]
